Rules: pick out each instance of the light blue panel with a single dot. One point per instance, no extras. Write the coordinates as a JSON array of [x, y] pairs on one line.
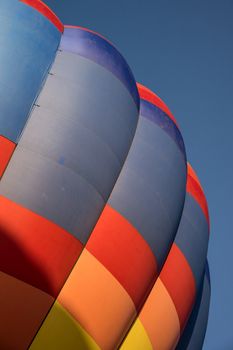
[[28, 43]]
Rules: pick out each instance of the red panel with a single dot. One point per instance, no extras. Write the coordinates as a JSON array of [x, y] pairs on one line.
[[46, 11], [34, 249], [124, 252], [194, 188], [7, 148], [179, 281], [151, 97]]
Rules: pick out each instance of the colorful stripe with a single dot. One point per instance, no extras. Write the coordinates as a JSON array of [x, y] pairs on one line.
[[7, 148], [180, 278], [150, 96], [45, 11], [94, 47]]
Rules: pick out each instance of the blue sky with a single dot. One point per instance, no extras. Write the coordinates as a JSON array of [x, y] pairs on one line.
[[183, 51]]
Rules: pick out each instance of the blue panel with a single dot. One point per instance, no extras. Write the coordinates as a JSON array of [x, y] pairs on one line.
[[73, 146], [193, 236], [194, 333], [99, 50], [28, 43], [156, 115], [150, 190]]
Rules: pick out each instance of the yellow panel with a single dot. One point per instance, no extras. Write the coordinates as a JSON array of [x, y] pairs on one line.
[[160, 319], [61, 332], [137, 338], [95, 298]]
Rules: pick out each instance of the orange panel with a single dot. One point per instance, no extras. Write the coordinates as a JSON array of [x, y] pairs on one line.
[[97, 301], [179, 281], [159, 318], [23, 308], [7, 148]]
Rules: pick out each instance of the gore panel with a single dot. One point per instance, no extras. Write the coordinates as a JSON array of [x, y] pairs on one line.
[[28, 43]]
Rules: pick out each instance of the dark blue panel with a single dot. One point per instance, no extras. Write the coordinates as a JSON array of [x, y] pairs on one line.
[[194, 333], [192, 237], [157, 116], [99, 50], [28, 43]]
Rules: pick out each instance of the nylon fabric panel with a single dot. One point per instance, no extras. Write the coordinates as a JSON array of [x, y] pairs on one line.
[[193, 237], [23, 308], [28, 43], [61, 331], [150, 190], [94, 297], [194, 333], [94, 47]]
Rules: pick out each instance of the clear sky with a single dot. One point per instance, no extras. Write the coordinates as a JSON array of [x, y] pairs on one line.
[[183, 51]]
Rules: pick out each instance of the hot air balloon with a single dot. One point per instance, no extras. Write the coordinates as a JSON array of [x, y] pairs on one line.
[[97, 212]]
